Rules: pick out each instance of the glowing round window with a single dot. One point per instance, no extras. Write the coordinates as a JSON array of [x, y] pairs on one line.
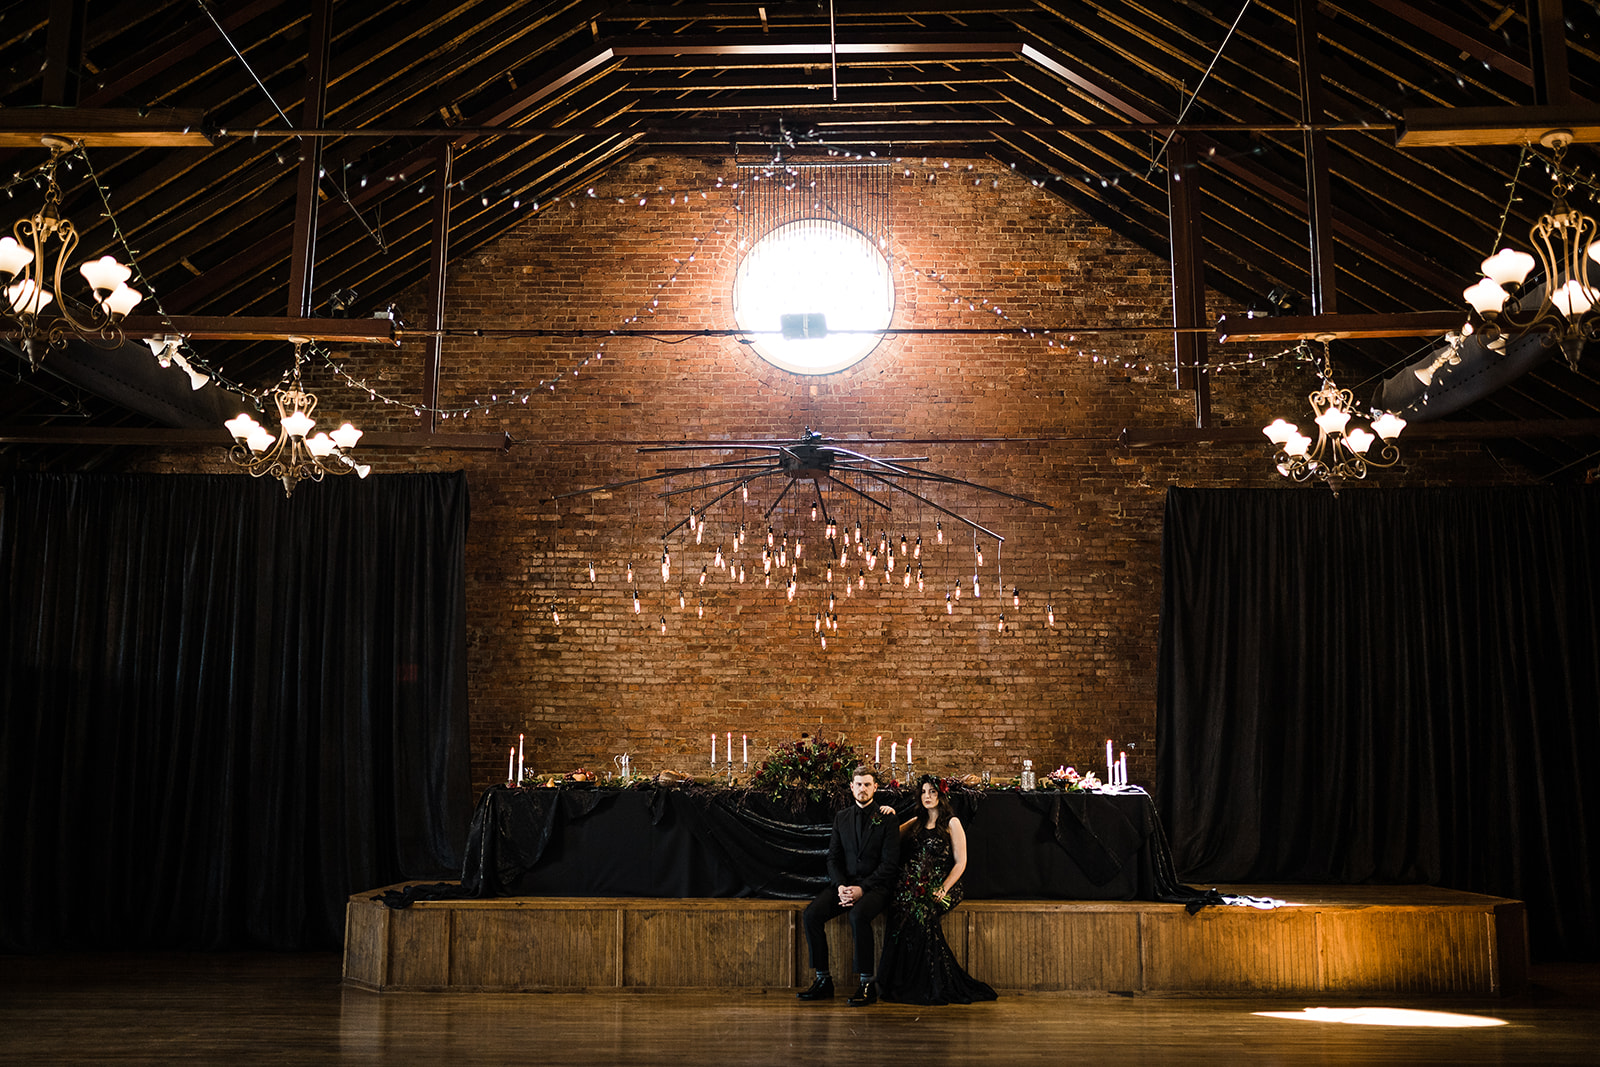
[[815, 295]]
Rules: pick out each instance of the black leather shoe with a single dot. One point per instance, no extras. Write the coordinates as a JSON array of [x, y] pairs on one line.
[[867, 994], [821, 989]]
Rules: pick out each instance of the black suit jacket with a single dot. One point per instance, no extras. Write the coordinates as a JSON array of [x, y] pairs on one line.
[[870, 860]]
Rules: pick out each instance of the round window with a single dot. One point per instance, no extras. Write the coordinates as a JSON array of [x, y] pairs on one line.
[[815, 295]]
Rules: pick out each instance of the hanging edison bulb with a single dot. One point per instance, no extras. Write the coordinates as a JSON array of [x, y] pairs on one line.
[[813, 513], [1002, 626], [556, 615], [917, 551], [844, 556], [939, 529], [630, 572], [745, 490], [976, 591], [591, 570], [904, 551], [883, 544], [830, 600], [666, 565], [818, 627], [872, 561], [948, 606], [979, 547], [792, 588], [681, 602], [799, 548], [958, 588], [919, 579], [770, 541], [766, 560], [719, 561], [830, 570], [699, 533], [890, 558], [833, 621], [1016, 597], [636, 601], [691, 519], [741, 574], [1050, 614], [849, 589], [663, 625], [768, 581], [858, 531], [861, 577], [824, 639], [700, 609], [703, 574]]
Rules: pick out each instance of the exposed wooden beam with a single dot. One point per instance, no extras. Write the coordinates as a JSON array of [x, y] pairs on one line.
[[167, 438], [113, 127], [1338, 327], [225, 328], [1471, 127], [1141, 437]]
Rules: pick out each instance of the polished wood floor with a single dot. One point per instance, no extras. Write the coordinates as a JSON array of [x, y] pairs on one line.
[[256, 1008]]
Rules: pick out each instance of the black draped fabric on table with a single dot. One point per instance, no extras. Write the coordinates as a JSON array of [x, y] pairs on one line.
[[1387, 686], [223, 711], [698, 841]]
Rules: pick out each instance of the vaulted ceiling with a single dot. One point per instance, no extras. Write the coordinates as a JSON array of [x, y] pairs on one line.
[[1101, 102]]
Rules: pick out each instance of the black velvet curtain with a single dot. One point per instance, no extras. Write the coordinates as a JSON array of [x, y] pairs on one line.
[[1387, 686], [223, 711]]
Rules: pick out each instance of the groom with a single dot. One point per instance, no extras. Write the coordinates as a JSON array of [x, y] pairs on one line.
[[863, 861]]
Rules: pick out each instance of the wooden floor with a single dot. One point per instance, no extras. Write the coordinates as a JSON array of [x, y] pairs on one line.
[[1322, 939], [294, 1009]]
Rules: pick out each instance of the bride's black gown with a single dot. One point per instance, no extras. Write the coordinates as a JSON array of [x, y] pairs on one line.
[[917, 966]]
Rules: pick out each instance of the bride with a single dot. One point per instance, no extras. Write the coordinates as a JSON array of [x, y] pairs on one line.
[[917, 966]]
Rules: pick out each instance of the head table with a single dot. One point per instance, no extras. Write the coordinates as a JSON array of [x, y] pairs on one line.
[[651, 840]]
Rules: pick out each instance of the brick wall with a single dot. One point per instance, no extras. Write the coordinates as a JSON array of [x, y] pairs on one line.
[[1037, 416]]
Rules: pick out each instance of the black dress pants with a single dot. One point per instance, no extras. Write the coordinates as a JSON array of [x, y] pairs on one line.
[[861, 913]]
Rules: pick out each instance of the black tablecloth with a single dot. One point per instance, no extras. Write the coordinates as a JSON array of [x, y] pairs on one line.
[[698, 841]]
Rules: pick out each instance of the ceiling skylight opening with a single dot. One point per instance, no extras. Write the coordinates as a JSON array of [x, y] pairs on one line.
[[815, 295]]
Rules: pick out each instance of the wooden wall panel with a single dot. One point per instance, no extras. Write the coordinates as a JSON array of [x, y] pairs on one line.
[[707, 948], [527, 948], [1231, 949], [1404, 950], [1049, 947], [366, 943], [420, 948]]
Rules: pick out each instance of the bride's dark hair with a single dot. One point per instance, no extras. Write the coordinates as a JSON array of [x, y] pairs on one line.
[[942, 813]]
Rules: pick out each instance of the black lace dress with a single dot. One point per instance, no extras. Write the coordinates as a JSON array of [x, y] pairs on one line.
[[917, 966]]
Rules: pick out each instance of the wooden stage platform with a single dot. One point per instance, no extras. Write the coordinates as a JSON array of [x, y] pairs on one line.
[[1325, 939]]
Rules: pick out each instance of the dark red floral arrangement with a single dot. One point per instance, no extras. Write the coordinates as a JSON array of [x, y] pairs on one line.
[[809, 767]]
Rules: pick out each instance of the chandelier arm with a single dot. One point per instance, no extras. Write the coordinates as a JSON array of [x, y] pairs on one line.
[[742, 481], [731, 465], [723, 447], [613, 485], [835, 479], [932, 476], [918, 496], [779, 500], [821, 503], [739, 478]]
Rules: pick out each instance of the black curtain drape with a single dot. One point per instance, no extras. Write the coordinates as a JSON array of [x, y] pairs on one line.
[[1387, 686], [223, 711]]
